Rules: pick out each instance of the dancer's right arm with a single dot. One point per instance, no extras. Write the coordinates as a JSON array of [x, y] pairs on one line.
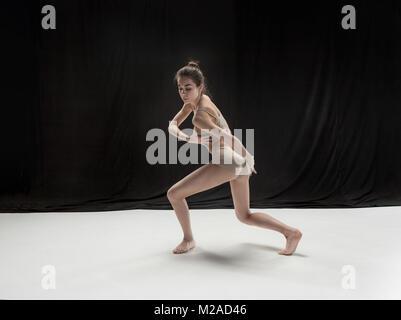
[[173, 129], [177, 120]]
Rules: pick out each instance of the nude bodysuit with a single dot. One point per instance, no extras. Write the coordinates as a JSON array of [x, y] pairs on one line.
[[220, 122], [233, 166]]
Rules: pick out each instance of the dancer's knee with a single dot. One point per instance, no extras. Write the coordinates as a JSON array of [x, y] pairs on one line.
[[243, 216], [173, 194]]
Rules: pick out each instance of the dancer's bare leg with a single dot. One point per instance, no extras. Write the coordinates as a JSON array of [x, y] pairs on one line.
[[240, 194], [206, 177]]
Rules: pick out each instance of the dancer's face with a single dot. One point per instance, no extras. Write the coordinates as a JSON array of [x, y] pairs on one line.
[[188, 90]]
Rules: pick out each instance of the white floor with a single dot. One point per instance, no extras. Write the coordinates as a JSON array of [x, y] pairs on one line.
[[127, 255]]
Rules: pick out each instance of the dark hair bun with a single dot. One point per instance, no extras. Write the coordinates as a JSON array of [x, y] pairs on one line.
[[194, 64]]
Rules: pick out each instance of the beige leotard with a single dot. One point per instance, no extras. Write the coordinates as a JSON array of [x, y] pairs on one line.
[[220, 122], [232, 166]]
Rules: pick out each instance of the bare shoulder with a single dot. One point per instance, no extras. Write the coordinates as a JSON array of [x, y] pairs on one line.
[[207, 103]]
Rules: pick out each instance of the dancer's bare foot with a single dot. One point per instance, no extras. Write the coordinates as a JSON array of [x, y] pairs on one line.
[[184, 246], [292, 242]]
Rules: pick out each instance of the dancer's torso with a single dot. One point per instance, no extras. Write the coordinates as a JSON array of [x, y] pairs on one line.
[[217, 118]]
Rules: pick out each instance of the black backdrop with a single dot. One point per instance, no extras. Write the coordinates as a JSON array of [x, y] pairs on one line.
[[325, 103]]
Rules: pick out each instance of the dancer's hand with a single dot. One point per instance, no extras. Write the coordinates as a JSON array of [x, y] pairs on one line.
[[251, 162]]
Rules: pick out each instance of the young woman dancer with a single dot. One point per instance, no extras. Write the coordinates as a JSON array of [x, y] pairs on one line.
[[191, 86]]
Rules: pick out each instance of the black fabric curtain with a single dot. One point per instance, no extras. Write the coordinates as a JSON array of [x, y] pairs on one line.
[[78, 101]]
